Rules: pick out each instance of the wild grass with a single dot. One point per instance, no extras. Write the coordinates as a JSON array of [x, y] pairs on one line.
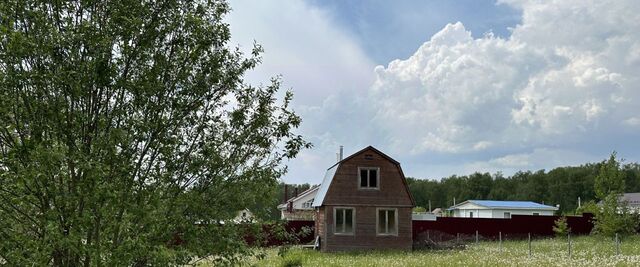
[[586, 251]]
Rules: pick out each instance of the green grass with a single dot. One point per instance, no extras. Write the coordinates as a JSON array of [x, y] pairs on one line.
[[586, 251]]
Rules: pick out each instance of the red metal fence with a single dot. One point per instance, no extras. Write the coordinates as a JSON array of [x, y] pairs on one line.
[[517, 226]]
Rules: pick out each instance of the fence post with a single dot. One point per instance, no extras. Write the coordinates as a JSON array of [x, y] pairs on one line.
[[617, 245], [529, 244], [569, 239], [476, 236], [500, 240]]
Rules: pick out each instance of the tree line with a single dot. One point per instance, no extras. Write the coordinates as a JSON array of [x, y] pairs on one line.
[[559, 186]]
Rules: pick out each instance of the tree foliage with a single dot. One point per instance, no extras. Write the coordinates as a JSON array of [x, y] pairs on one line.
[[612, 216], [562, 185], [560, 227], [127, 135], [610, 179]]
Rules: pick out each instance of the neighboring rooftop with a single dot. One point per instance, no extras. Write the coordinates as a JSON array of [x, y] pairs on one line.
[[507, 204], [311, 190], [632, 199]]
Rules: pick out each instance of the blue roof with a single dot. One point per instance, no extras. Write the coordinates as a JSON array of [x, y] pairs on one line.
[[324, 187], [509, 204]]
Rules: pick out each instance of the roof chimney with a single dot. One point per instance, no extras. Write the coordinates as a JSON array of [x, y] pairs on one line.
[[341, 149], [295, 190], [286, 194]]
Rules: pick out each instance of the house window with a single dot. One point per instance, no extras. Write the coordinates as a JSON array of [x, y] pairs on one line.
[[507, 215], [244, 214], [307, 204], [471, 214], [387, 222], [536, 214], [344, 219], [369, 178]]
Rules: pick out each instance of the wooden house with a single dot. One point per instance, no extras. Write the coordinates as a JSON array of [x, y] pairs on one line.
[[364, 203]]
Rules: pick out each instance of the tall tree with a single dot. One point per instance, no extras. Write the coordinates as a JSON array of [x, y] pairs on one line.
[[613, 216], [610, 179], [125, 127]]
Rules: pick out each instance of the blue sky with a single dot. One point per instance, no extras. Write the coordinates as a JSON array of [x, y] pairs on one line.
[[453, 87], [410, 23]]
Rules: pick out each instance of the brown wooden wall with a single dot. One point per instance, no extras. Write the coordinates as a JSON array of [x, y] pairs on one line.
[[364, 236], [344, 187]]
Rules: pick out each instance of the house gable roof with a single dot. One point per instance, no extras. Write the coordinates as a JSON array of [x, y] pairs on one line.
[[330, 173], [324, 187], [304, 193], [506, 204]]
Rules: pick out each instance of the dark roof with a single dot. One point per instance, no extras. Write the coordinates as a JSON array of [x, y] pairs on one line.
[[362, 150]]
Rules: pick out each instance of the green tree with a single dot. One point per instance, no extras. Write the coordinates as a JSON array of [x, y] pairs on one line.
[[127, 134], [560, 227], [613, 216], [610, 179]]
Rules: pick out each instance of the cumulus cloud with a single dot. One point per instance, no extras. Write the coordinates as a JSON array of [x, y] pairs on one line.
[[545, 96], [568, 73]]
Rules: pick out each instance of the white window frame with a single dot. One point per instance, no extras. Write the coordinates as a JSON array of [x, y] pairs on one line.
[[471, 214], [377, 169], [353, 221], [395, 210], [505, 215]]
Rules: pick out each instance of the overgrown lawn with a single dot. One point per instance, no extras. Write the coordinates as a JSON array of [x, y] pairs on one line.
[[586, 251]]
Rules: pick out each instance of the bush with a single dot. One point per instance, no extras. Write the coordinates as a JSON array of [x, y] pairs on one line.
[[561, 228]]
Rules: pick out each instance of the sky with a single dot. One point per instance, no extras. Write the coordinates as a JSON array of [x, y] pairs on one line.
[[452, 87]]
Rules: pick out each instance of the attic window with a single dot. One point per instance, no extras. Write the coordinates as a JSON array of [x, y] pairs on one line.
[[369, 177], [368, 157]]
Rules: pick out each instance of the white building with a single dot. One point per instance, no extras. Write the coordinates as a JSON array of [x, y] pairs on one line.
[[299, 207], [244, 216], [499, 209]]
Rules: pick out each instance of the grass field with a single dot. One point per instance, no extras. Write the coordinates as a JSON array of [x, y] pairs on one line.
[[586, 251]]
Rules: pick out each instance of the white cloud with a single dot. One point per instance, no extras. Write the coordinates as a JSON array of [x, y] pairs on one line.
[[315, 57], [539, 158], [568, 72], [323, 65], [546, 96]]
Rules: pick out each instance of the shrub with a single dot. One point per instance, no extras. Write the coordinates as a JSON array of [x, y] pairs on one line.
[[561, 228]]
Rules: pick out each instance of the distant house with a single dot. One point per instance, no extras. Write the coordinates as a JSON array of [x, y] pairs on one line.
[[299, 208], [632, 200], [499, 209], [243, 216], [364, 203]]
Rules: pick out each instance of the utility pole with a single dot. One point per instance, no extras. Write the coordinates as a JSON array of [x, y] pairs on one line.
[[579, 204]]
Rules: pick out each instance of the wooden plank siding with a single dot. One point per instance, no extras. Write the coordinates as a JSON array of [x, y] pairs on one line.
[[365, 236], [344, 191]]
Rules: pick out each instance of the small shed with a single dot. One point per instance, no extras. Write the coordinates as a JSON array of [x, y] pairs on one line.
[[499, 209]]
